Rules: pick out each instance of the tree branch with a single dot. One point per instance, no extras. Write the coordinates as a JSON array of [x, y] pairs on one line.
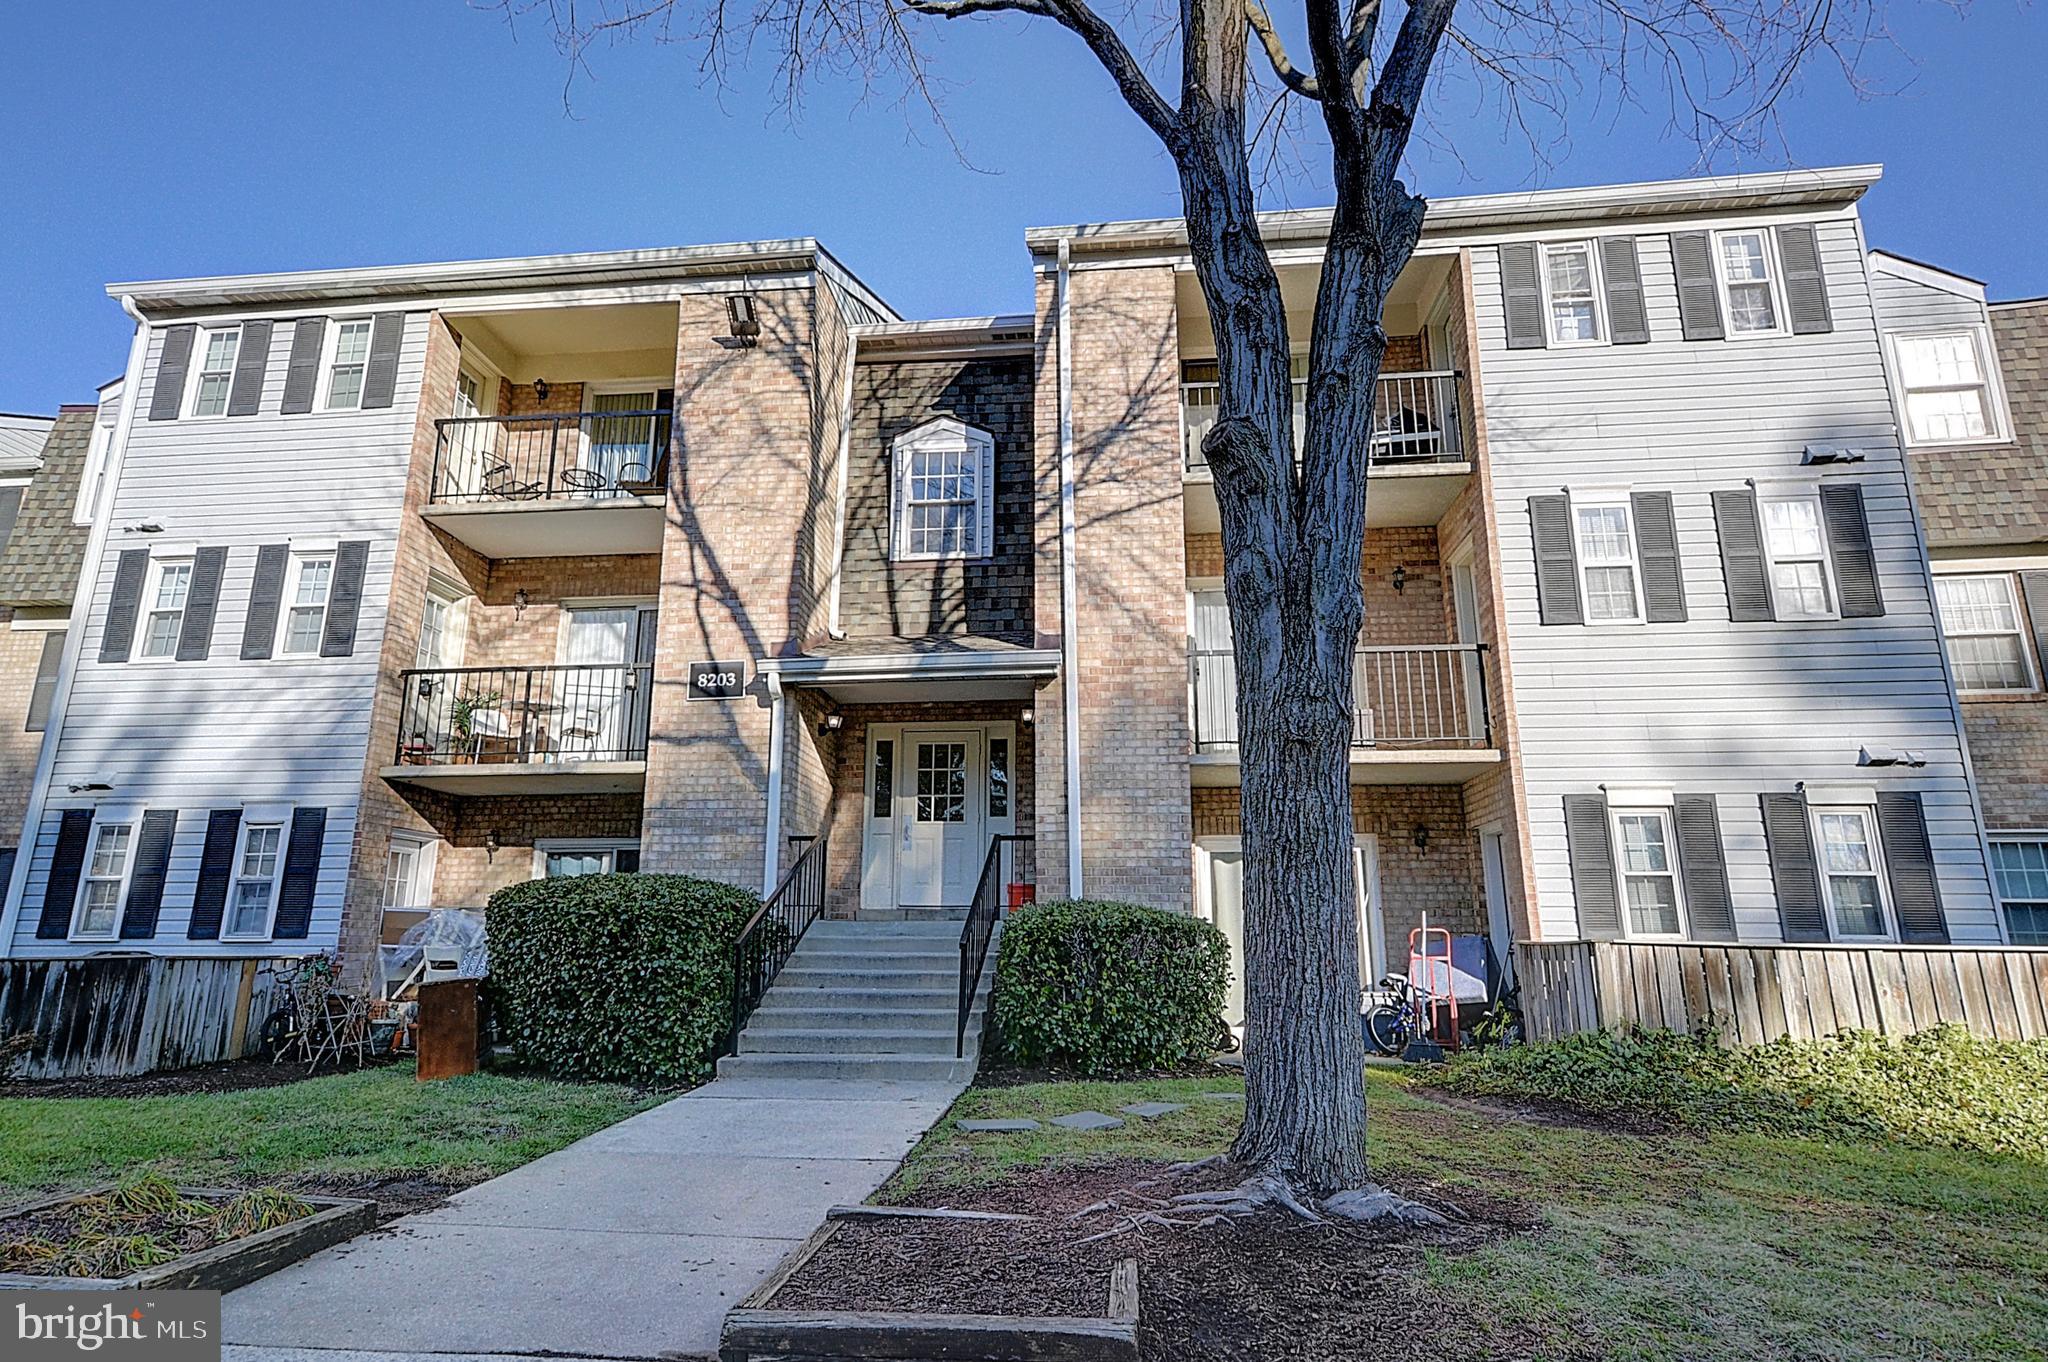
[[1298, 81]]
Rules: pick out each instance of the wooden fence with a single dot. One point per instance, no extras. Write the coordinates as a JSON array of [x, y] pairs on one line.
[[1753, 994], [132, 1014]]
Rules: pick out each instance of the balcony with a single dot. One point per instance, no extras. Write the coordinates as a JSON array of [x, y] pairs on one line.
[[1419, 461], [552, 485], [1420, 715], [578, 729]]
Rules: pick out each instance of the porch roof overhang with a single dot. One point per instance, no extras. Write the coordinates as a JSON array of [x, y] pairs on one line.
[[899, 678]]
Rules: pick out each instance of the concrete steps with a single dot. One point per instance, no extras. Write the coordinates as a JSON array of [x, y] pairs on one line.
[[865, 1000]]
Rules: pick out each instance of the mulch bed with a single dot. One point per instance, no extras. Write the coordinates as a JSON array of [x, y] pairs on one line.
[[996, 1074], [1269, 1287], [234, 1075], [394, 1196]]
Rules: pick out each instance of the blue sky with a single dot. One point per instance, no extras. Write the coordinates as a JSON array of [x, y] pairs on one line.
[[153, 140]]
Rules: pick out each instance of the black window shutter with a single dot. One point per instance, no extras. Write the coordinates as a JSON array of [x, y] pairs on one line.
[[1628, 320], [172, 365], [67, 861], [1806, 285], [1592, 857], [252, 362], [2034, 586], [302, 370], [1699, 295], [1709, 907], [1557, 560], [43, 694], [216, 869], [345, 598], [152, 864], [301, 874], [259, 627], [118, 638], [1794, 872], [380, 374], [195, 635], [1841, 511], [1742, 556], [1909, 864], [1657, 543], [1521, 297]]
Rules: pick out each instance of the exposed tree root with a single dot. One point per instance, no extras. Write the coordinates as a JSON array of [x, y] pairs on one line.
[[1136, 1209]]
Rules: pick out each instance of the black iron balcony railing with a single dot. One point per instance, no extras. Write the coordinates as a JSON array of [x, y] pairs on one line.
[[1009, 879], [771, 935], [1425, 695], [1415, 417], [486, 715], [567, 456]]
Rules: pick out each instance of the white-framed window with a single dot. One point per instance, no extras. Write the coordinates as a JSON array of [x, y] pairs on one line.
[[170, 583], [1851, 873], [443, 620], [1752, 294], [563, 859], [97, 450], [348, 359], [1980, 619], [259, 867], [1796, 542], [1610, 578], [214, 374], [1571, 293], [305, 603], [1948, 386], [409, 872], [109, 861], [944, 476], [1646, 858], [2020, 868]]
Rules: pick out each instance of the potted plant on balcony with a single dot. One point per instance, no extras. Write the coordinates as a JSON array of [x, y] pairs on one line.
[[462, 718]]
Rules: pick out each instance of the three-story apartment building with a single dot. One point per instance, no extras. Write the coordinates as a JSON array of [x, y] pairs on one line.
[[409, 583]]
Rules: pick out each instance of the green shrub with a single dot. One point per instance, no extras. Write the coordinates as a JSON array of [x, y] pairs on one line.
[[1944, 1087], [626, 978], [1108, 987]]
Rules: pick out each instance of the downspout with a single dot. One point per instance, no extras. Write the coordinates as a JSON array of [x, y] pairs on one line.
[[777, 724], [1070, 642], [833, 627], [74, 632]]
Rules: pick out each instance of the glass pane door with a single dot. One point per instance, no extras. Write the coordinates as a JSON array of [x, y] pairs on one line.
[[620, 449]]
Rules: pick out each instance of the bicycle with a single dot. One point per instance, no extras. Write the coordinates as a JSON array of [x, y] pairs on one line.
[[1391, 1023]]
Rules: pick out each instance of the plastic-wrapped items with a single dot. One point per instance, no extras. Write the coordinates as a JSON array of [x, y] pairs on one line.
[[451, 943]]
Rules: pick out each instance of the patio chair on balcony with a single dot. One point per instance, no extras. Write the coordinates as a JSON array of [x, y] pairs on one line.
[[499, 482], [490, 736], [637, 479]]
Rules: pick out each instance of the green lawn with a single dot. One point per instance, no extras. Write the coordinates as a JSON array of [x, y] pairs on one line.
[[376, 1123], [1681, 1246]]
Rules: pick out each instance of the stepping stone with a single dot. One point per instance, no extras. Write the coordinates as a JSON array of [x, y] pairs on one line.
[[1223, 1097], [1087, 1120], [996, 1127], [1152, 1110]]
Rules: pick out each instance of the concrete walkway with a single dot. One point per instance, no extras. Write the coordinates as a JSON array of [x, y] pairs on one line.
[[632, 1243]]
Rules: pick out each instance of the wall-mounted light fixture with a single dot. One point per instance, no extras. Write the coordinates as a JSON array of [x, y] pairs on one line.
[[540, 389], [1027, 716], [746, 323], [520, 600], [1400, 576], [833, 723], [1420, 837], [491, 845]]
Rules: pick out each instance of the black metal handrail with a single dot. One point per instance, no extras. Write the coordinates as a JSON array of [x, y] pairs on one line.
[[555, 456], [771, 935], [1010, 861], [1419, 695], [1415, 417], [489, 715]]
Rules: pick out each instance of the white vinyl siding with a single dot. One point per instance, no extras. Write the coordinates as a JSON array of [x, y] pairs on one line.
[[1980, 616], [1713, 706]]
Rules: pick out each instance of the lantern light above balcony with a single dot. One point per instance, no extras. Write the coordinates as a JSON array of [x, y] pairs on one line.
[[746, 323]]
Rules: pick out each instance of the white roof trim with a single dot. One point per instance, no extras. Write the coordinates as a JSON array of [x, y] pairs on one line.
[[1021, 662], [1934, 277]]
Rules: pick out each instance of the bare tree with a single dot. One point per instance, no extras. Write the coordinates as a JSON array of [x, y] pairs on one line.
[[1293, 520]]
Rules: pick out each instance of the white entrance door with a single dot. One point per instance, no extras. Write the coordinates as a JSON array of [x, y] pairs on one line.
[[1214, 675], [1220, 895], [940, 799]]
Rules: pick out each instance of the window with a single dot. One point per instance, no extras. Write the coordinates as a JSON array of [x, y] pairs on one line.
[[442, 621], [1649, 872], [305, 618], [1798, 548], [348, 359], [253, 896], [1944, 379], [1980, 618], [108, 861], [1852, 878], [941, 782], [2021, 870], [943, 498], [1570, 292], [885, 779], [998, 777], [171, 583], [1607, 562], [43, 693], [216, 372], [409, 873], [1749, 282], [567, 860]]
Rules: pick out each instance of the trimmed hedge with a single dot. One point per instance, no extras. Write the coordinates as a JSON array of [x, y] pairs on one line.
[[1106, 987], [624, 978]]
